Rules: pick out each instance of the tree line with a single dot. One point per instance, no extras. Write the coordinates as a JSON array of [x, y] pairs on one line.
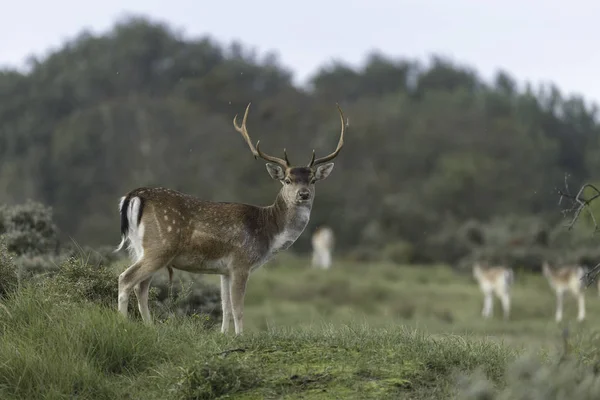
[[431, 149]]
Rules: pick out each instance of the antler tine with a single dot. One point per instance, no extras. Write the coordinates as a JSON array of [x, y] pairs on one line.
[[267, 157], [312, 160], [244, 132], [256, 150], [340, 144]]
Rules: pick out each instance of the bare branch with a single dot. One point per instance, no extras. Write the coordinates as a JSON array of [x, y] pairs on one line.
[[591, 276], [578, 203]]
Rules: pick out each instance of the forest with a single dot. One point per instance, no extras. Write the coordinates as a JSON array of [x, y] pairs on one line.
[[439, 165]]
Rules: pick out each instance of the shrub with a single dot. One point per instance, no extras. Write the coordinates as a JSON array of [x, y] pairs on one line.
[[364, 254], [78, 280], [38, 265], [9, 279], [453, 242], [103, 255], [399, 252], [75, 279], [215, 377], [530, 379], [29, 229], [186, 298]]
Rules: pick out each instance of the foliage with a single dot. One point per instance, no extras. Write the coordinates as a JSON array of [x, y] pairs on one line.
[[9, 277], [431, 145], [530, 379], [359, 330], [215, 377], [186, 296], [29, 229], [78, 280], [55, 350]]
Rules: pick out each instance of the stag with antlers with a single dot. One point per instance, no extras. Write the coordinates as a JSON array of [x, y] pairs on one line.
[[168, 229]]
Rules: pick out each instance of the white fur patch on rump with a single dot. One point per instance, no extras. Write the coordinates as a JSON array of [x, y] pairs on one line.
[[135, 233]]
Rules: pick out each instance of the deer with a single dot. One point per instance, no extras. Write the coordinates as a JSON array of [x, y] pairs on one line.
[[165, 228], [322, 243], [496, 280], [566, 279]]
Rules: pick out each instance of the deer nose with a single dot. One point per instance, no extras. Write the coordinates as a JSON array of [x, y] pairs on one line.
[[303, 194]]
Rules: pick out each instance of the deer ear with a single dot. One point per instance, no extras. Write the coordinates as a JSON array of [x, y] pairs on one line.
[[323, 171], [275, 171]]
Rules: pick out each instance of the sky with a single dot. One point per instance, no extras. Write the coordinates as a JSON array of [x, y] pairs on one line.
[[534, 40]]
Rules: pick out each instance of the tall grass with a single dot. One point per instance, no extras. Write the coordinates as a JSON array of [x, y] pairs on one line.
[[357, 331]]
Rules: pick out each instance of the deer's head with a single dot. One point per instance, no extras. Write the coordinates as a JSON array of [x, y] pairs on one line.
[[298, 181]]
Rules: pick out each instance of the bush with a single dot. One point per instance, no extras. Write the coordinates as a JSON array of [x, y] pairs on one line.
[[453, 242], [522, 257], [75, 279], [29, 229], [530, 379], [38, 265], [186, 298], [215, 377], [364, 254], [9, 279], [103, 255], [78, 280], [399, 252]]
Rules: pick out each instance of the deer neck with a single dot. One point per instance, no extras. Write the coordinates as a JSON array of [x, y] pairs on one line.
[[289, 220]]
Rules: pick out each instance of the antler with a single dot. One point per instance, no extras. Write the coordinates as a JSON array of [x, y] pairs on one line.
[[256, 150], [333, 155]]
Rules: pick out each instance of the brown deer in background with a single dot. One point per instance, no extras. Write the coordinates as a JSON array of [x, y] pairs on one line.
[[566, 279], [494, 280], [169, 229]]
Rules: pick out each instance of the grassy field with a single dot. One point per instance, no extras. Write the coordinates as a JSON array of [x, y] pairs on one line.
[[356, 331], [287, 293]]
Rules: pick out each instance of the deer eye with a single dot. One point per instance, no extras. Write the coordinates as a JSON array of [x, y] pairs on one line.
[[287, 181]]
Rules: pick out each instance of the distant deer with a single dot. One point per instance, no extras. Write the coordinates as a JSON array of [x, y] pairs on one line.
[[166, 228], [566, 279], [494, 280], [322, 243]]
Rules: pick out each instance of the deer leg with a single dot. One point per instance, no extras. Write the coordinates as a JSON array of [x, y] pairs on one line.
[[239, 280], [488, 303], [132, 276], [315, 259], [559, 305], [141, 292], [124, 289], [326, 259], [581, 306], [505, 299], [226, 302]]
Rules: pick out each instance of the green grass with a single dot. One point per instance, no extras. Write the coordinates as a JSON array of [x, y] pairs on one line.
[[53, 350], [357, 331], [435, 299]]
